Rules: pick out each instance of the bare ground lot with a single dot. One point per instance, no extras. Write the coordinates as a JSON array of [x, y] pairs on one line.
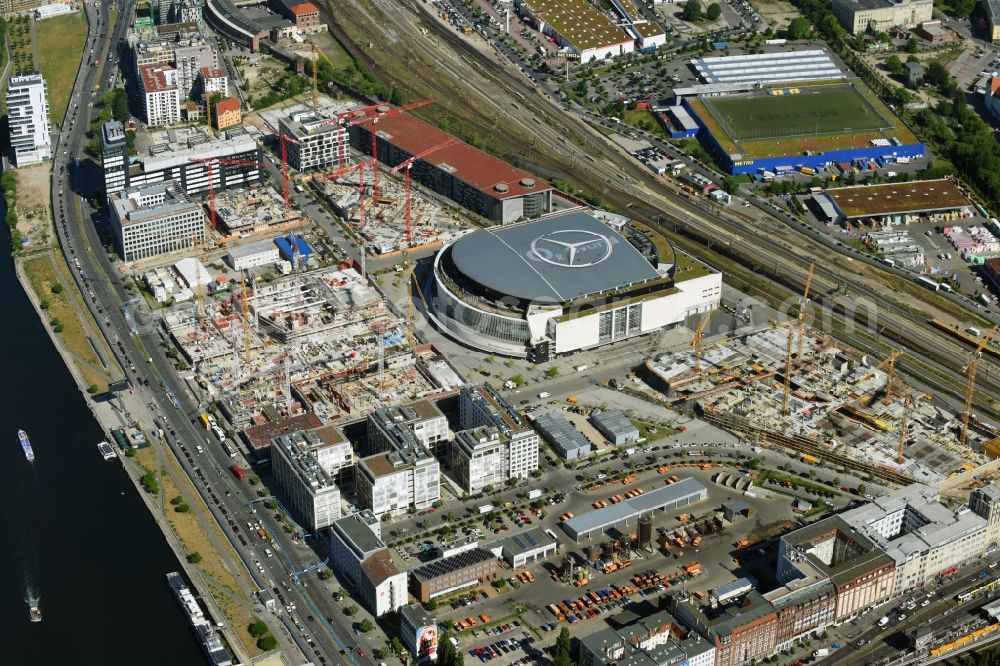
[[33, 205]]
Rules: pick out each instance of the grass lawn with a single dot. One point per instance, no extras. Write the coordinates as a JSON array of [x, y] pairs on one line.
[[189, 531], [647, 430], [42, 275], [60, 46], [644, 119]]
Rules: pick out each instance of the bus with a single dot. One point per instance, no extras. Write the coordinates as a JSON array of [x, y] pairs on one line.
[[696, 453], [228, 448], [925, 281]]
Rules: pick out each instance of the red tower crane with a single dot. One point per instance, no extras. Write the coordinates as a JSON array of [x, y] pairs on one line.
[[343, 171], [405, 166], [381, 111], [209, 161]]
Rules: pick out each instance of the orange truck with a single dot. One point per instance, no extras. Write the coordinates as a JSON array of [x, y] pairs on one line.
[[692, 569], [742, 543], [683, 517]]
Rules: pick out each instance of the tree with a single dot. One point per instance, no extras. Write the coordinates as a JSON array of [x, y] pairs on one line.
[[692, 10], [366, 626], [799, 28], [894, 64], [119, 106], [563, 642], [352, 610], [518, 380], [397, 645], [257, 628], [937, 75], [862, 489], [552, 372], [57, 288], [194, 558], [911, 45], [713, 11], [267, 643]]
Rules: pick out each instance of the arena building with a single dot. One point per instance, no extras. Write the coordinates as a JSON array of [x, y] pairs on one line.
[[563, 283], [782, 128]]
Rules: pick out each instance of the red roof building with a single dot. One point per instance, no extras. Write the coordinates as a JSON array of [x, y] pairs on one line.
[[482, 183], [306, 17]]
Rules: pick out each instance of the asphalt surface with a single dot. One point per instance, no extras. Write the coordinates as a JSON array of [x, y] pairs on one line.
[[152, 374]]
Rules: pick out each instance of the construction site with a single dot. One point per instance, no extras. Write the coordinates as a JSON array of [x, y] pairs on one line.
[[382, 227], [253, 211], [321, 342], [829, 403]]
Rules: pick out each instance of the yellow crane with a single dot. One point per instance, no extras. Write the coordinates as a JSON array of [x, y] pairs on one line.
[[696, 341], [245, 310], [802, 311], [890, 373], [971, 368]]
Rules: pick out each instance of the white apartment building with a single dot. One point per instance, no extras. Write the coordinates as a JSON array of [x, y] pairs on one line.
[[319, 143], [161, 95], [155, 219], [480, 457], [920, 533], [28, 119], [481, 406], [358, 553], [393, 482], [305, 465], [212, 80], [404, 426], [189, 61]]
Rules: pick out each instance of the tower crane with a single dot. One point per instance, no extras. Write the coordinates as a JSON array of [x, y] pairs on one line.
[[697, 339], [381, 112], [405, 166], [790, 326], [904, 423], [802, 311], [971, 368], [209, 162], [245, 311]]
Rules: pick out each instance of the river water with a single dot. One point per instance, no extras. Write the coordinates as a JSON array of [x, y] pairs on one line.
[[74, 529]]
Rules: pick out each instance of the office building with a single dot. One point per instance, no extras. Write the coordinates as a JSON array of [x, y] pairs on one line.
[[742, 631], [318, 142], [480, 458], [985, 502], [860, 16], [358, 553], [114, 157], [160, 94], [418, 423], [920, 533], [657, 639], [155, 219], [180, 155], [395, 481], [482, 405], [305, 465], [305, 15], [28, 119], [418, 630], [450, 574]]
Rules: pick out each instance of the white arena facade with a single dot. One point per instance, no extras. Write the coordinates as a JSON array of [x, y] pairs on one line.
[[563, 283]]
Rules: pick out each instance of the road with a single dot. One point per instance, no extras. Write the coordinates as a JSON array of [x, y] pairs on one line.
[[154, 379]]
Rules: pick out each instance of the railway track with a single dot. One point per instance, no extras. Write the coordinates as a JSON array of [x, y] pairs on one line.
[[493, 99]]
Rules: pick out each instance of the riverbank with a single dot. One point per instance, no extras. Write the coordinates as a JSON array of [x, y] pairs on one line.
[[108, 418]]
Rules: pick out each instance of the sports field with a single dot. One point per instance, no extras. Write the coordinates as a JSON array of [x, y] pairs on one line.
[[795, 112]]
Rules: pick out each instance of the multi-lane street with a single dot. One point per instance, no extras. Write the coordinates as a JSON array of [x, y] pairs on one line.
[[316, 624]]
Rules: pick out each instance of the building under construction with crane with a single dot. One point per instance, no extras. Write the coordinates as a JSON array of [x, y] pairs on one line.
[[795, 388], [480, 182], [320, 342]]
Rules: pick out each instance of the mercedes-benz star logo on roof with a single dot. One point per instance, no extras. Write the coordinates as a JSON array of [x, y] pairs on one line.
[[572, 248]]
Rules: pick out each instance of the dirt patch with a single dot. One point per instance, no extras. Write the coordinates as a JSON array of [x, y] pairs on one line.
[[34, 212], [770, 530], [778, 13]]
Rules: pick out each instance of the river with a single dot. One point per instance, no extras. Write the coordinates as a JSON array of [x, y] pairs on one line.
[[73, 525]]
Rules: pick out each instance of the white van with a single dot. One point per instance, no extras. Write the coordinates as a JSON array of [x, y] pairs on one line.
[[543, 395], [884, 621]]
